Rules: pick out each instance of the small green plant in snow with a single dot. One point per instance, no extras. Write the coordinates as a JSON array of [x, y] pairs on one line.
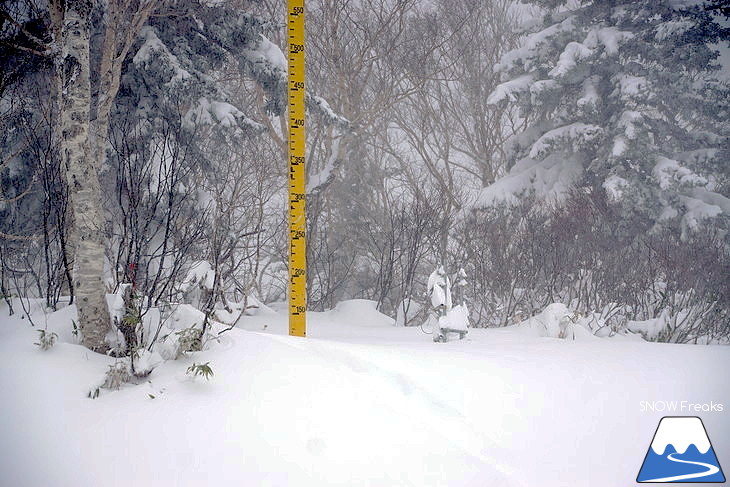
[[201, 369]]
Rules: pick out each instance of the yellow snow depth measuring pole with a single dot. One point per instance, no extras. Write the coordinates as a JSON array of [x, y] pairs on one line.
[[297, 184]]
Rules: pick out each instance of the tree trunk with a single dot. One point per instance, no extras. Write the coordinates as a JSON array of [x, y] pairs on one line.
[[110, 69], [82, 177], [65, 212], [122, 25]]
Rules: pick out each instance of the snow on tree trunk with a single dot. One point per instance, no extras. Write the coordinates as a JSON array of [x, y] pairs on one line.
[[440, 292], [82, 177]]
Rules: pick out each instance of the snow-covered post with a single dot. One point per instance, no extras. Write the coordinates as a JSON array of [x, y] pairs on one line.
[[449, 318], [439, 288]]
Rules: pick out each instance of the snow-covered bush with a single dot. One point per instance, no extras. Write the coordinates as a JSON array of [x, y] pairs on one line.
[[143, 362], [586, 254], [46, 340], [188, 340], [559, 321], [198, 281], [117, 375], [127, 371], [129, 321]]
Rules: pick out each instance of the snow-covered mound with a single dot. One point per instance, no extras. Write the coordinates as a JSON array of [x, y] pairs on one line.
[[361, 312], [559, 321], [555, 321]]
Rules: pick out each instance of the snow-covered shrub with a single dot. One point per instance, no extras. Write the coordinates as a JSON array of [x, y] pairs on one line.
[[559, 321], [129, 321], [503, 252], [143, 362], [198, 283], [117, 375], [189, 340], [619, 273], [46, 340], [176, 330]]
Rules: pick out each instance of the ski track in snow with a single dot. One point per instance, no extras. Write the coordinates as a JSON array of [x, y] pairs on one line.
[[711, 470], [433, 414]]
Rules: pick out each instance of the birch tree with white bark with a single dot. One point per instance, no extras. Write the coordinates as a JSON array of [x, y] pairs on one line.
[[82, 172]]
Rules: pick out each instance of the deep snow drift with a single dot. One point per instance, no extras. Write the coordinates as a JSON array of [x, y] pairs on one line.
[[359, 402]]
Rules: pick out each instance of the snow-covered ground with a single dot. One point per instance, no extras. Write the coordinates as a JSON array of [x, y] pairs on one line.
[[357, 403]]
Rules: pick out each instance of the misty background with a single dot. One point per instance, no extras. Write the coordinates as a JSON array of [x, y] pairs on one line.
[[557, 152]]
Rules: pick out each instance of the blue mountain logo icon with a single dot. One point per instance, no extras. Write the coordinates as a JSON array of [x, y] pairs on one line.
[[681, 452]]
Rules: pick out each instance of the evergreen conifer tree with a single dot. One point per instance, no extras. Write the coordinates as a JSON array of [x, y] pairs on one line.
[[621, 97]]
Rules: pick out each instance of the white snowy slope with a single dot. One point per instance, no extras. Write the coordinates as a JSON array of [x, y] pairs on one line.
[[359, 402], [681, 433]]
